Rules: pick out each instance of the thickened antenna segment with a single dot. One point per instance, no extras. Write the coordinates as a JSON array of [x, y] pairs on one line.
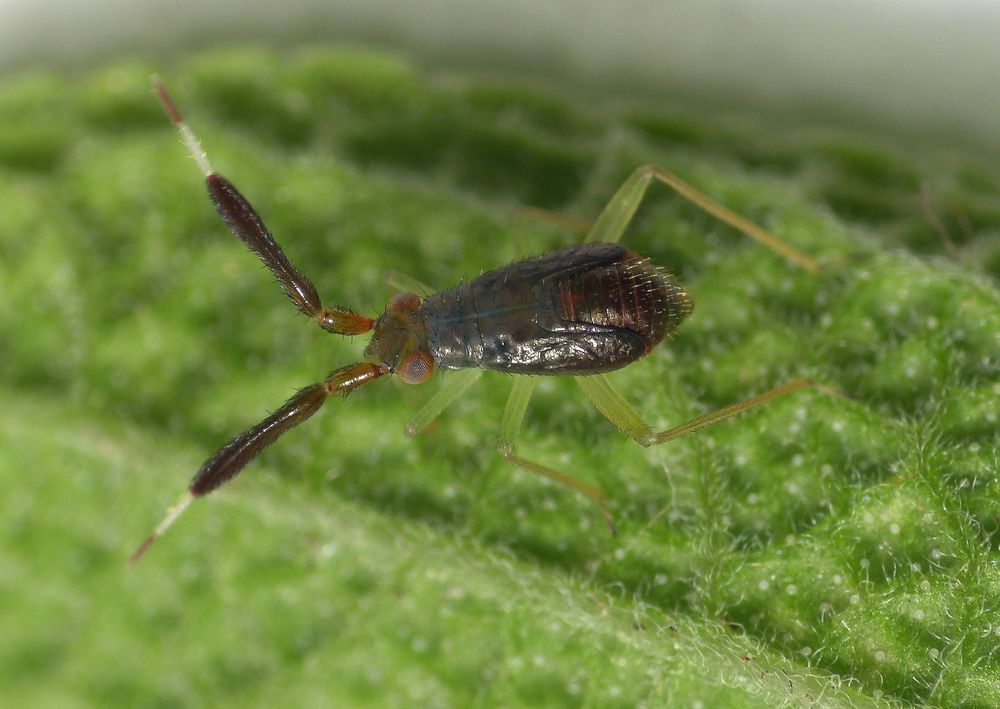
[[234, 456], [229, 460], [244, 222]]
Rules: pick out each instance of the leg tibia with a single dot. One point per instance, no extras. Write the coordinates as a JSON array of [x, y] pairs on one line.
[[513, 412], [592, 493], [615, 408], [510, 422], [612, 222], [453, 386], [402, 283], [618, 411], [730, 411]]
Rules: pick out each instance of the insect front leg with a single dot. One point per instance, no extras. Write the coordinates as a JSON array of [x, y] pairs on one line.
[[402, 283], [510, 423], [618, 411], [618, 212], [453, 385]]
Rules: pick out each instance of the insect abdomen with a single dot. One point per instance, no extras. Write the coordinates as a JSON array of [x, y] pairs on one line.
[[631, 294], [581, 310]]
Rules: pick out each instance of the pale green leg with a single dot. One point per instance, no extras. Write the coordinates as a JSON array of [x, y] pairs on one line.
[[510, 423], [402, 283], [453, 385], [525, 214], [611, 224], [615, 408], [618, 212], [618, 411], [513, 412], [521, 248]]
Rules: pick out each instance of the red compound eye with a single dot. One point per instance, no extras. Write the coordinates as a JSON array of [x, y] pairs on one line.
[[403, 301], [416, 367]]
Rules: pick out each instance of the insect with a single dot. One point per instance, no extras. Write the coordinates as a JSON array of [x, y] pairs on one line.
[[582, 311]]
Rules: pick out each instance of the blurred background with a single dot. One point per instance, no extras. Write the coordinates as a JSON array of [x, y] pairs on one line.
[[925, 69]]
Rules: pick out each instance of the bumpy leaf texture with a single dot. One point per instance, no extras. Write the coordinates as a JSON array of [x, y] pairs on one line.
[[820, 550]]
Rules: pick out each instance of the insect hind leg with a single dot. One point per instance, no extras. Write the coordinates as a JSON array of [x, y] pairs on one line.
[[618, 411], [620, 209]]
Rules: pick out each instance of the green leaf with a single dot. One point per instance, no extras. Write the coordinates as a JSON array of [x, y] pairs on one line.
[[827, 550]]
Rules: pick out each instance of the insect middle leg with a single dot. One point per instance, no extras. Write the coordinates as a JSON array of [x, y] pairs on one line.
[[510, 423], [457, 383]]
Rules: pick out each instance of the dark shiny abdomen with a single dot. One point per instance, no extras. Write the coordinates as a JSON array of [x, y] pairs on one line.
[[581, 310]]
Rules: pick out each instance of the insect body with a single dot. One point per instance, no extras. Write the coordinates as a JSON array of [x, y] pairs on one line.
[[582, 310]]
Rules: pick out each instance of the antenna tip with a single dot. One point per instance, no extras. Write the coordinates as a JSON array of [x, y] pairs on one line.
[[168, 103], [172, 514], [137, 554]]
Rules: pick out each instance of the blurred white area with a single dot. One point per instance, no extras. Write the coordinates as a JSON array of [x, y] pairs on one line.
[[924, 68]]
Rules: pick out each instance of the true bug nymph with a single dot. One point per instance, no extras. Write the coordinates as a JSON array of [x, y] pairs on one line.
[[581, 311]]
